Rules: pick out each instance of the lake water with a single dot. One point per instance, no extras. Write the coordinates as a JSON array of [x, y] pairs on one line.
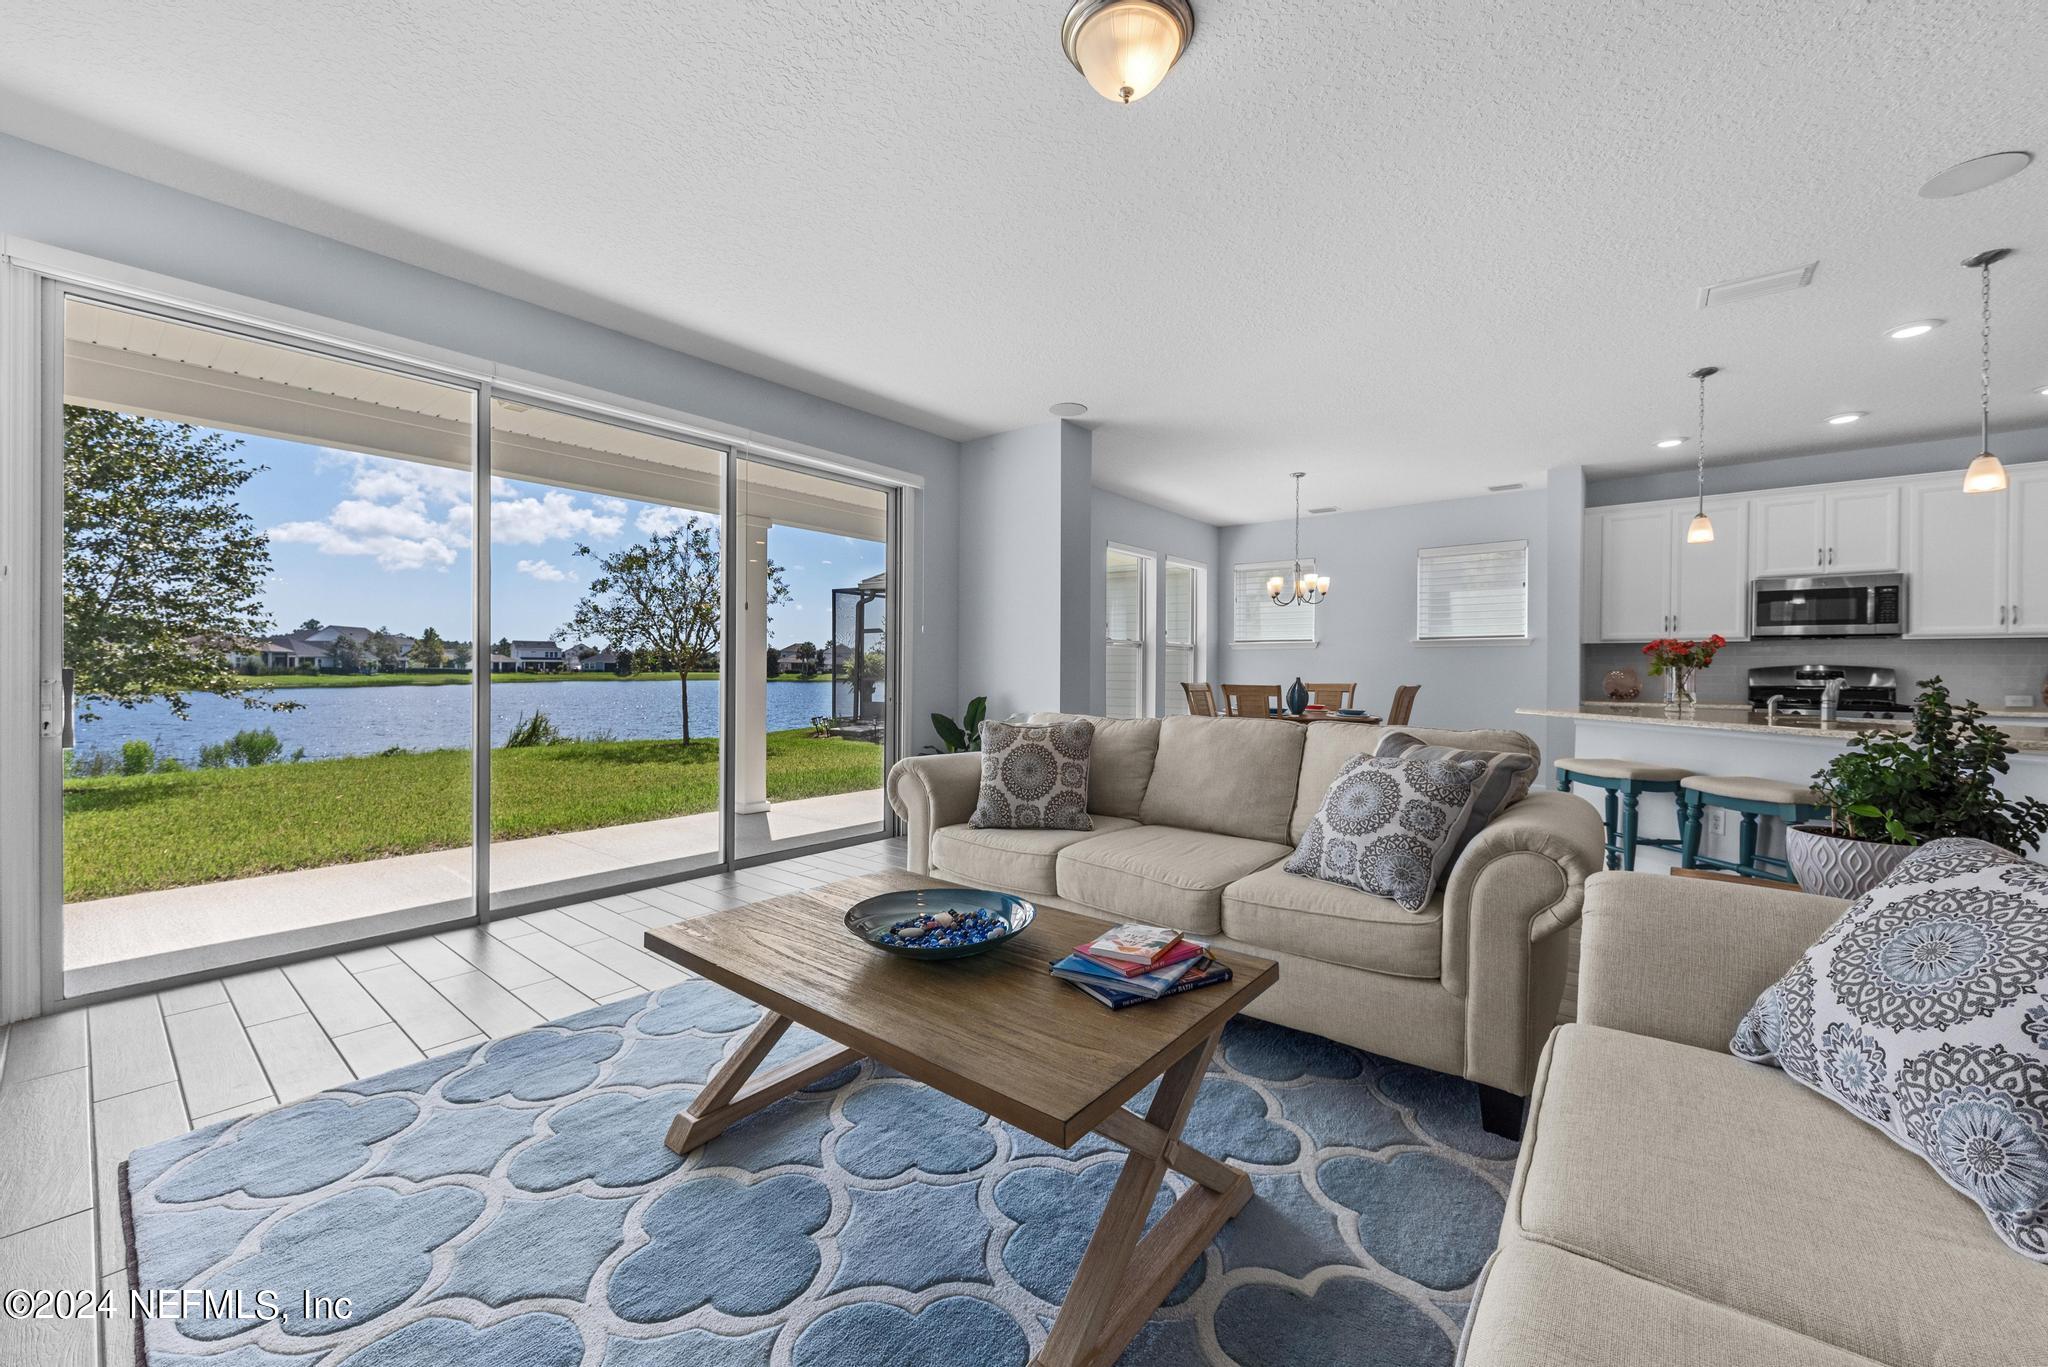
[[336, 722]]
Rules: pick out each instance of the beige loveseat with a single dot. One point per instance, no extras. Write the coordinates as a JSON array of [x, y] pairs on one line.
[[1675, 1204], [1193, 818]]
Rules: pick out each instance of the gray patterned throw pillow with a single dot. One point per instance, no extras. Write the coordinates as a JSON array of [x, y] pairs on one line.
[[1034, 777], [1924, 1011], [1394, 821]]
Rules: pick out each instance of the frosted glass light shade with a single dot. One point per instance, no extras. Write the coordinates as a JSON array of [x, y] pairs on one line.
[[1986, 475], [1701, 530], [1125, 47]]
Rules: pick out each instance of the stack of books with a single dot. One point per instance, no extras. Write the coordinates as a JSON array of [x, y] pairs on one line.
[[1132, 964]]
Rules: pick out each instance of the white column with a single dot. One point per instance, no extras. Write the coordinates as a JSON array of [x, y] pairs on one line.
[[750, 702]]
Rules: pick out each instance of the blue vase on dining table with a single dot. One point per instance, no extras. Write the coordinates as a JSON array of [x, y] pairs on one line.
[[1297, 698]]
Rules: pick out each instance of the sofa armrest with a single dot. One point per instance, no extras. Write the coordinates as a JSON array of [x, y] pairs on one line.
[[1510, 898], [1683, 958], [931, 791]]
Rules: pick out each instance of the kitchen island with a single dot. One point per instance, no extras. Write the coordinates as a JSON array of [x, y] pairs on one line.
[[1731, 739]]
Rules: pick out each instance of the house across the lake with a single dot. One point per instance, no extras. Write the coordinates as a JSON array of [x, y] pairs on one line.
[[328, 648]]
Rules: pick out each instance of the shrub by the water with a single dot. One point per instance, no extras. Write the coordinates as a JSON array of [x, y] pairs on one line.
[[243, 750], [536, 729], [137, 757]]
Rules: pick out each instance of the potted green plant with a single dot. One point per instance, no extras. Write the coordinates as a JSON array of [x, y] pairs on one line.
[[1891, 790], [962, 735]]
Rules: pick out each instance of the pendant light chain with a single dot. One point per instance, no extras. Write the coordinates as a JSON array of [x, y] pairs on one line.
[[1986, 474], [1984, 378], [1703, 442]]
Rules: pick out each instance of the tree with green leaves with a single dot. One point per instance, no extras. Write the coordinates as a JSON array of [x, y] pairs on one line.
[[387, 650], [662, 597], [163, 571], [807, 656], [458, 654], [309, 626], [430, 651], [348, 653]]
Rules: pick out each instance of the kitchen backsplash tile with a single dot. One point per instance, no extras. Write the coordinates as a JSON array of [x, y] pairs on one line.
[[1985, 670]]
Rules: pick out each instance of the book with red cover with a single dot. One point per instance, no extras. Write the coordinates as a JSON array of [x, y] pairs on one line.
[[1133, 944], [1182, 949]]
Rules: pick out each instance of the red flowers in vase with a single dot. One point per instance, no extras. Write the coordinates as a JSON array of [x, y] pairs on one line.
[[1670, 653]]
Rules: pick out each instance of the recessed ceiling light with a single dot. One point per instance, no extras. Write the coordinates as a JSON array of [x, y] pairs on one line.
[[1975, 174], [1919, 329], [1841, 418], [1067, 410], [1670, 442]]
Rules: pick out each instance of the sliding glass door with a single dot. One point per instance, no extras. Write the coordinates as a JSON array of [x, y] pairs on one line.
[[339, 666], [607, 596], [266, 602], [810, 657]]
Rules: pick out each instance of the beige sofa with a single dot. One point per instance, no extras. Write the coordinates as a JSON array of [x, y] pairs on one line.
[[1193, 818], [1675, 1204]]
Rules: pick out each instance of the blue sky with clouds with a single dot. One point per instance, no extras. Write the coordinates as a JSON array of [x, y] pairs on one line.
[[370, 541]]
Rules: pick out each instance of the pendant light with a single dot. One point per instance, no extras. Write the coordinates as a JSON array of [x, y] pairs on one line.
[[1125, 47], [1307, 588], [1702, 529], [1986, 474]]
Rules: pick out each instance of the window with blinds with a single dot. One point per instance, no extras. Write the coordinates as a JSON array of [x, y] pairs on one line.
[[1124, 628], [1472, 593], [1180, 650], [1255, 620]]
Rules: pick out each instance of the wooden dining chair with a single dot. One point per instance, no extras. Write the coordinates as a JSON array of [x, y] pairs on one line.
[[1404, 704], [1201, 700], [1332, 696], [1250, 700]]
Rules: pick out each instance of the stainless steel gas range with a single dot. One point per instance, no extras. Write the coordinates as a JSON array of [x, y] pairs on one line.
[[1864, 693]]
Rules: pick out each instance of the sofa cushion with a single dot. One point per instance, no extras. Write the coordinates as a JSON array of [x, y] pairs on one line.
[[1924, 1011], [1732, 1183], [1328, 921], [1231, 775], [1008, 861], [1329, 744], [1034, 777], [1161, 875], [1540, 1306], [1122, 767]]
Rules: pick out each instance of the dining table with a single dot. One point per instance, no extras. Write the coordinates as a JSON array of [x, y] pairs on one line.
[[1306, 717]]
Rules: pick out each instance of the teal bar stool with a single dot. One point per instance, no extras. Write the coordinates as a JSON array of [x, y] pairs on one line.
[[1755, 799], [1625, 780]]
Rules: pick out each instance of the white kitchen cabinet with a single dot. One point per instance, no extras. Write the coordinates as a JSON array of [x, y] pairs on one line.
[[1635, 573], [2027, 555], [1853, 530], [1863, 529], [1653, 583], [1956, 548]]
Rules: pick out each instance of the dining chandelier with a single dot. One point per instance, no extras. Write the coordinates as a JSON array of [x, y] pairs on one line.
[[1306, 588]]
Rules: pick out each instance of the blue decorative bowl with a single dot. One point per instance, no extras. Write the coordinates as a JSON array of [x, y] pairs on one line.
[[873, 918]]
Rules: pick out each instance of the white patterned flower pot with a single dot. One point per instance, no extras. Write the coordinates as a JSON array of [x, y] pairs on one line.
[[1833, 866]]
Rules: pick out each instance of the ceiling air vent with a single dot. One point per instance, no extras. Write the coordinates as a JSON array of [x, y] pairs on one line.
[[1331, 509], [1735, 291], [1503, 488]]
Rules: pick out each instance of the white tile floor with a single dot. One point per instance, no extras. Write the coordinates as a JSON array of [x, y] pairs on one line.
[[82, 1089]]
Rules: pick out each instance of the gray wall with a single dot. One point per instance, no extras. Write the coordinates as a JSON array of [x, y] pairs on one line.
[[1986, 671], [1128, 522], [1368, 624], [1821, 467], [1023, 584], [65, 202]]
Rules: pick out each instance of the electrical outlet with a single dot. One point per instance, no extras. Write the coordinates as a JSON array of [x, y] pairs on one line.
[[1717, 820], [2018, 700]]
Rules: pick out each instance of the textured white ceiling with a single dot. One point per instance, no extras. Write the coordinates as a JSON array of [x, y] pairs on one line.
[[1412, 248]]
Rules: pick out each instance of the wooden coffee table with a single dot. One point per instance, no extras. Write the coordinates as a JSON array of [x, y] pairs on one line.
[[999, 1033]]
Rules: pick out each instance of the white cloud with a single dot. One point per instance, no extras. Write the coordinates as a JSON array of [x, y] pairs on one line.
[[543, 571], [391, 552], [553, 516], [653, 520]]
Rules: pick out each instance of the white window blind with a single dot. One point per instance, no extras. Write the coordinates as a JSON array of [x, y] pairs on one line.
[[1124, 652], [1180, 651], [1472, 593], [1255, 620]]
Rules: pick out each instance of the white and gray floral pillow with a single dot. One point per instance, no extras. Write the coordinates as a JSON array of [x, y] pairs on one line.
[[1394, 821], [1924, 1011], [1034, 777]]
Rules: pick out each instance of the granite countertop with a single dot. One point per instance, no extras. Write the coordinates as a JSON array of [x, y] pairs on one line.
[[2026, 740]]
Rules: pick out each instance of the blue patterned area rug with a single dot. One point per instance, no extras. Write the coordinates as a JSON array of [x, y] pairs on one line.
[[513, 1204]]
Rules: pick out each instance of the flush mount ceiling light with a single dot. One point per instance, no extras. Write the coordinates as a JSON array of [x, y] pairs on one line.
[[1669, 442], [1307, 588], [1986, 474], [1907, 331], [1701, 529], [1844, 419], [1125, 47], [1068, 410], [1975, 174]]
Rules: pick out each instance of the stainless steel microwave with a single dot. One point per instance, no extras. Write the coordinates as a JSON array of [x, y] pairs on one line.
[[1829, 605]]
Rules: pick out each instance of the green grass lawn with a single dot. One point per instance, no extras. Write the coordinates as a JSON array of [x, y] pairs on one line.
[[126, 835], [442, 680]]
